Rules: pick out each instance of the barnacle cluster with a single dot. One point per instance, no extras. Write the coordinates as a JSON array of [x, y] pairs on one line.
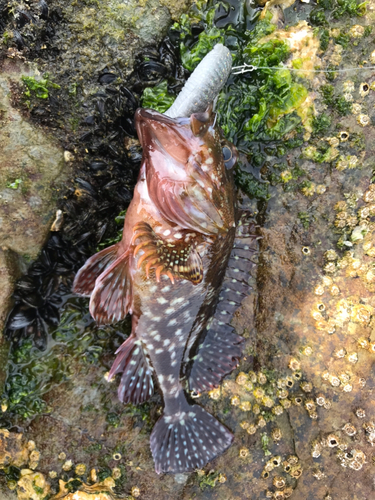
[[285, 471]]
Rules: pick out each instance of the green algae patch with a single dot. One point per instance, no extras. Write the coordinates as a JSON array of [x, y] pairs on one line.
[[38, 88], [336, 9], [207, 41], [120, 219], [74, 346], [158, 97]]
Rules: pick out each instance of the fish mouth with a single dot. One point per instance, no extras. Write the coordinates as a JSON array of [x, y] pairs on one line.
[[169, 136]]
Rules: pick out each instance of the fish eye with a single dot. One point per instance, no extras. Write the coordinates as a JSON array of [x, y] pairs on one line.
[[227, 154]]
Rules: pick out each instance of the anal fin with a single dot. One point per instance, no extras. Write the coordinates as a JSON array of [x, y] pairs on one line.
[[179, 259], [136, 385], [84, 282]]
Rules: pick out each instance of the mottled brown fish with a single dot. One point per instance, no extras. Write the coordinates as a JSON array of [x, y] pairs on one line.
[[167, 272]]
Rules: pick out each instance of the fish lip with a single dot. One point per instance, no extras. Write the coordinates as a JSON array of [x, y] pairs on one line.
[[150, 115]]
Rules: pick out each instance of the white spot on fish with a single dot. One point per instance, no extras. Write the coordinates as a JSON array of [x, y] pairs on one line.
[[177, 236], [170, 310], [158, 351], [166, 342], [162, 300], [166, 289], [167, 232], [172, 322], [153, 288], [177, 301]]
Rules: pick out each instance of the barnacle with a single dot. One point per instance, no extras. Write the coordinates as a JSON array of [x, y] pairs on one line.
[[242, 378], [235, 401], [116, 473], [360, 412], [357, 31], [136, 492], [251, 429], [294, 364], [364, 89], [245, 406], [363, 120], [215, 394], [356, 108], [349, 429], [276, 434], [306, 386], [80, 469], [279, 482], [344, 136]]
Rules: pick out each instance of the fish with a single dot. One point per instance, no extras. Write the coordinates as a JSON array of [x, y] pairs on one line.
[[167, 272]]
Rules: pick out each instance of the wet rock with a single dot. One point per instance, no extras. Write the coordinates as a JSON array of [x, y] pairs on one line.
[[32, 172], [32, 486], [98, 491], [14, 449]]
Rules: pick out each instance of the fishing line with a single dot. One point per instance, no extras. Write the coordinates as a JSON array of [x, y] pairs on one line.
[[246, 68]]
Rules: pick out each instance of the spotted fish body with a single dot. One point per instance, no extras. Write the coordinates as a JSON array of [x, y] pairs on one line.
[[167, 272]]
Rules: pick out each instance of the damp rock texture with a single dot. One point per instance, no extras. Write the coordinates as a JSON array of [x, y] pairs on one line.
[[32, 172]]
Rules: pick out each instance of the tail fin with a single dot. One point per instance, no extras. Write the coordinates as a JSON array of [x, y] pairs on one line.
[[188, 441], [136, 384], [84, 282], [112, 296]]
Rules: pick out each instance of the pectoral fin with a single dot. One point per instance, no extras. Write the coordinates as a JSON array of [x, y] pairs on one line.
[[112, 296], [177, 260]]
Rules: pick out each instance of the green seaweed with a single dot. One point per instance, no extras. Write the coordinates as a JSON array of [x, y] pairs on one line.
[[324, 39], [338, 103], [251, 186], [336, 9], [14, 184], [209, 480], [265, 441], [38, 88], [119, 219], [321, 124], [158, 97], [207, 40], [304, 217]]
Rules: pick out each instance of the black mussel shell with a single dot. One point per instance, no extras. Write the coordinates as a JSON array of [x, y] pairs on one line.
[[18, 39], [151, 70], [20, 317], [43, 9], [107, 78]]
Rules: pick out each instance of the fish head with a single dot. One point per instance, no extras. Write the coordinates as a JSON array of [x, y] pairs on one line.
[[189, 169]]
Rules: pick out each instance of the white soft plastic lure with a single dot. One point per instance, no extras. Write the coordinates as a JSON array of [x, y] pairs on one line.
[[204, 85]]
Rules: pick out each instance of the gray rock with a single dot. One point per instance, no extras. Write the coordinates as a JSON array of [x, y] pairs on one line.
[[32, 172]]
